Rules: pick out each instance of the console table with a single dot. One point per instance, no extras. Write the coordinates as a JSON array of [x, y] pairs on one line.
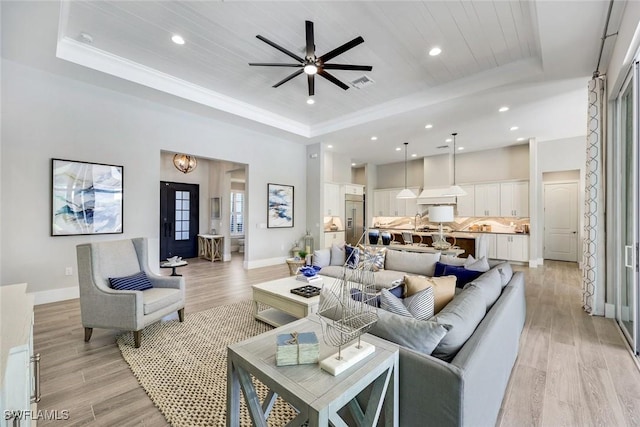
[[211, 246], [316, 394]]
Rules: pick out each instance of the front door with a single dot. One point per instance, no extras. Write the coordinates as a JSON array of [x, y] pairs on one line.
[[561, 221], [178, 219]]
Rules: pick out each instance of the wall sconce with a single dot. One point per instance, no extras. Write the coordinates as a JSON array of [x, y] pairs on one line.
[[185, 163]]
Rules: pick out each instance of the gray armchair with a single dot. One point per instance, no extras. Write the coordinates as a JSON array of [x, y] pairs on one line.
[[104, 307]]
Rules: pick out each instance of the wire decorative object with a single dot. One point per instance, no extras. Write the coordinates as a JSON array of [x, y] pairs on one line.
[[347, 309]]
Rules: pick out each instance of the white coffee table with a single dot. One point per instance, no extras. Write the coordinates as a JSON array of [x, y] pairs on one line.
[[285, 307]]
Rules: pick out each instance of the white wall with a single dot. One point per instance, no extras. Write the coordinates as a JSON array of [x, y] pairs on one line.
[[46, 115], [391, 175]]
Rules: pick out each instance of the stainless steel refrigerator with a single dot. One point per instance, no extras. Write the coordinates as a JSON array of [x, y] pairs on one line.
[[354, 214]]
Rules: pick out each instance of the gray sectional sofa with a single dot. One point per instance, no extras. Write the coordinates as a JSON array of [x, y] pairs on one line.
[[454, 368]]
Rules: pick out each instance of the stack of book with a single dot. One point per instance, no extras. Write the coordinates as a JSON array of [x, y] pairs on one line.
[[314, 280], [297, 348]]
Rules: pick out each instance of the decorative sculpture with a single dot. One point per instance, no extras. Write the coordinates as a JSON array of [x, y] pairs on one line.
[[347, 309]]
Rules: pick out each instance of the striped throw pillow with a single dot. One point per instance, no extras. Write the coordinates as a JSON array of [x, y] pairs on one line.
[[136, 282], [419, 306]]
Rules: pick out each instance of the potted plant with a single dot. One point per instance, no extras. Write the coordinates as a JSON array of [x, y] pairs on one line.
[[302, 254]]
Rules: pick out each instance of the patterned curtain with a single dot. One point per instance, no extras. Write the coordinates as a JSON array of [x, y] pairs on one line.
[[593, 261]]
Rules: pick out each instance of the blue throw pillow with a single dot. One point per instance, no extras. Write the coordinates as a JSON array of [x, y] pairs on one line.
[[136, 282], [353, 256], [463, 276], [439, 270]]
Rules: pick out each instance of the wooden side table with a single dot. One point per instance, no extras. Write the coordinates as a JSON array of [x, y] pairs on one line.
[[211, 246], [316, 394], [294, 265]]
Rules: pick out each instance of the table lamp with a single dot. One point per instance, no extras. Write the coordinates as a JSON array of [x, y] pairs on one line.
[[441, 214]]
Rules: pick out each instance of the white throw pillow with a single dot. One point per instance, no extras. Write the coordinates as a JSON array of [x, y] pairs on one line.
[[481, 265], [338, 256], [321, 257]]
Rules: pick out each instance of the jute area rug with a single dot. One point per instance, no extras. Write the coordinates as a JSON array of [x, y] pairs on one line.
[[183, 366]]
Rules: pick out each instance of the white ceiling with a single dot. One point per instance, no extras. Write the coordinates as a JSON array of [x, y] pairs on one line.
[[534, 56]]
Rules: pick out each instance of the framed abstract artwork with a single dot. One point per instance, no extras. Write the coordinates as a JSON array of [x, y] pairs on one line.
[[280, 210], [86, 198]]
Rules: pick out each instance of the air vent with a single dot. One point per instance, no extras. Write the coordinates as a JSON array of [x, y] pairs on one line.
[[440, 147], [361, 82]]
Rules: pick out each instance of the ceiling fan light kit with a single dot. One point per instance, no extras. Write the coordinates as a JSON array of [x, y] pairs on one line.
[[313, 65]]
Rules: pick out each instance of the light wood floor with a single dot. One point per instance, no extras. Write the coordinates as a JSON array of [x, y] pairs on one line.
[[573, 369]]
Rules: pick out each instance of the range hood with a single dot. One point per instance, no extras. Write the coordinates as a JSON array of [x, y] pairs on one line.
[[434, 196]]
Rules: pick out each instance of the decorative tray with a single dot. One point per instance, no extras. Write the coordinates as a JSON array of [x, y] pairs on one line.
[[307, 291]]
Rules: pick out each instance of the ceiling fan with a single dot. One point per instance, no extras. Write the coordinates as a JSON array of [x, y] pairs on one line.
[[312, 64]]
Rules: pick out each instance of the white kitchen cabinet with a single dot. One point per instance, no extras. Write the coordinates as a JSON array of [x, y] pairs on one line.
[[381, 203], [332, 199], [19, 388], [491, 245], [331, 237], [514, 199], [354, 189], [512, 247], [465, 205], [487, 199]]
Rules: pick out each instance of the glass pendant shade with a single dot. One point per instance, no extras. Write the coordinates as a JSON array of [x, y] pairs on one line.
[[185, 163]]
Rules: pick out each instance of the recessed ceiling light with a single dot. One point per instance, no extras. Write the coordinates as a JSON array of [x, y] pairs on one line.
[[329, 146], [429, 126], [520, 139], [514, 128], [398, 148], [503, 109], [310, 101], [448, 140], [374, 138], [414, 155], [177, 39], [460, 148], [353, 164], [435, 51]]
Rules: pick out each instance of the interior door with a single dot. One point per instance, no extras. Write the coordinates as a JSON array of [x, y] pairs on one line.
[[179, 219], [561, 221]]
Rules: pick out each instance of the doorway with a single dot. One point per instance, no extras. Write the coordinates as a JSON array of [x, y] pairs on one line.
[[179, 219], [561, 221]]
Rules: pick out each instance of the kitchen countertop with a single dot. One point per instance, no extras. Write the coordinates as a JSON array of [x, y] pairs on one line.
[[456, 234]]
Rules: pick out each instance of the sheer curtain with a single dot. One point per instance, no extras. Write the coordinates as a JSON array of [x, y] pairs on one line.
[[593, 261]]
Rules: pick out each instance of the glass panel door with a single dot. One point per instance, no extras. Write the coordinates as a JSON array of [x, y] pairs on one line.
[[627, 311]]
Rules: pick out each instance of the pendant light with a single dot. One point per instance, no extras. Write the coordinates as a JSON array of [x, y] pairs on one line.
[[406, 193], [454, 190], [185, 163]]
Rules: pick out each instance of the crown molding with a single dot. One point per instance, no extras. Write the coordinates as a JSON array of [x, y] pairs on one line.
[[88, 56]]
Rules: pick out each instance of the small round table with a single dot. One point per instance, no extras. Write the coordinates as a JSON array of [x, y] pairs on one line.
[[173, 266]]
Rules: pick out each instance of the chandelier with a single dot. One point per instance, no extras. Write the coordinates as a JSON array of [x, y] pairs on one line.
[[185, 163]]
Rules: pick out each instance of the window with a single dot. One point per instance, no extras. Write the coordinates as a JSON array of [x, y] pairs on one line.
[[237, 213], [182, 215]]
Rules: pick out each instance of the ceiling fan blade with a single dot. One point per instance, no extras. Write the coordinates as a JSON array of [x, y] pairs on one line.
[[280, 48], [273, 64], [311, 83], [311, 47], [347, 67], [332, 79], [342, 49], [289, 77]]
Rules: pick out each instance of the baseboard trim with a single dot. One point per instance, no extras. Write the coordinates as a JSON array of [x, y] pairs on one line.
[[264, 262], [55, 295], [610, 311]]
